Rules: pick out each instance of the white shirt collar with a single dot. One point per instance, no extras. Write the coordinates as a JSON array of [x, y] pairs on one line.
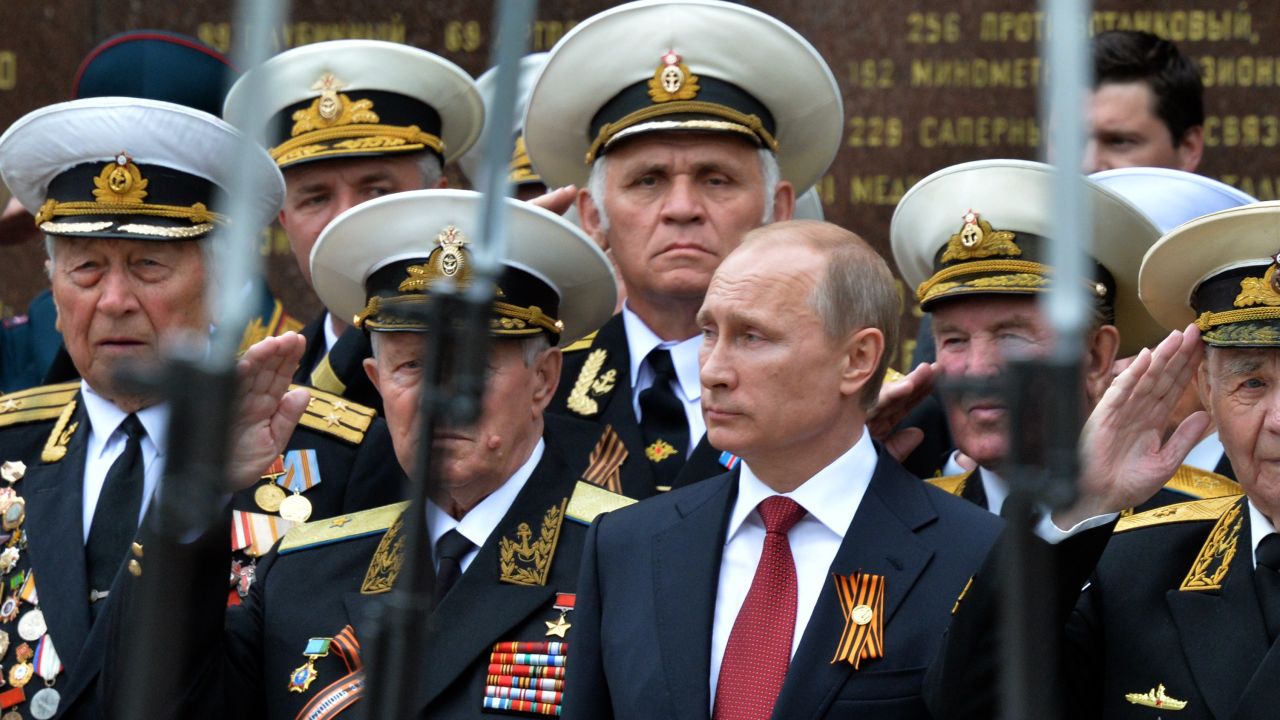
[[996, 489], [832, 496], [478, 524], [684, 354], [1259, 527], [105, 418], [330, 337]]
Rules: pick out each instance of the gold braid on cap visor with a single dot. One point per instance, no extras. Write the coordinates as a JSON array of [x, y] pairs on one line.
[[201, 217], [357, 138], [512, 319], [938, 284], [737, 122], [1209, 320]]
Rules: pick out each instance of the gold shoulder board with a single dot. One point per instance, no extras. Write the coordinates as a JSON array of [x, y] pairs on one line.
[[337, 416], [953, 484], [1194, 511], [591, 501], [1202, 484], [583, 344], [341, 527], [36, 404]]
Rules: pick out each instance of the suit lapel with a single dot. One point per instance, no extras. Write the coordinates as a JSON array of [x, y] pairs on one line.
[[974, 491], [686, 567], [55, 530], [616, 409], [1222, 632], [880, 540], [481, 609]]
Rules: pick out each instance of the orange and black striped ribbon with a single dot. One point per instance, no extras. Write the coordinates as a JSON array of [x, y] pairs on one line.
[[605, 461], [346, 690], [864, 641]]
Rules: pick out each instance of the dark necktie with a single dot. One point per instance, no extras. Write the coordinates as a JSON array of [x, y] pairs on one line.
[[662, 420], [450, 549], [1266, 579], [759, 648], [115, 519]]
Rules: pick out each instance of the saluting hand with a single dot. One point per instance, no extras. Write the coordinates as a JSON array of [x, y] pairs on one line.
[[267, 411], [897, 399], [1125, 458]]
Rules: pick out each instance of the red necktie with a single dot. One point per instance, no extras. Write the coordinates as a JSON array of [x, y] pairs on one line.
[[759, 649]]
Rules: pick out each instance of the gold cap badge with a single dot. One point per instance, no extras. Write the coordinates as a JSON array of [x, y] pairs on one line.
[[672, 80]]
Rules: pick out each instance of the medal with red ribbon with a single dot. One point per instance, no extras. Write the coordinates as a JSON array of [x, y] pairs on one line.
[[862, 602]]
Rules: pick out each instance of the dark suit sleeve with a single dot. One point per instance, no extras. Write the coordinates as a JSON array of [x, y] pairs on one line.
[[586, 694], [963, 683], [174, 650]]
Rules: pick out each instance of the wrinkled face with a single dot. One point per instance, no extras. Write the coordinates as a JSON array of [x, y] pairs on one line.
[[1241, 389], [476, 460], [1126, 132], [317, 192], [117, 299], [678, 203], [975, 337], [771, 376]]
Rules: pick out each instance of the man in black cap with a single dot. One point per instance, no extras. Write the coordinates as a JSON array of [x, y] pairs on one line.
[[506, 521]]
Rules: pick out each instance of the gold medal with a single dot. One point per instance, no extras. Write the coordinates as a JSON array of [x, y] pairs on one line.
[[20, 674], [11, 715], [269, 496], [295, 508]]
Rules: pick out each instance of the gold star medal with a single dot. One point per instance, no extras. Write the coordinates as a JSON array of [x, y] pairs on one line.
[[560, 626], [301, 678]]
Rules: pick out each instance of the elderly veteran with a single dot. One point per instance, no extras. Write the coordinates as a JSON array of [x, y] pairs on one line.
[[1170, 198], [506, 526], [973, 239], [349, 121], [1180, 613], [126, 192], [682, 143], [815, 579]]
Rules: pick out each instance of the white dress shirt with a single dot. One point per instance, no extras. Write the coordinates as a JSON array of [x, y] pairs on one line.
[[1259, 527], [1206, 454], [106, 442], [330, 337], [478, 524], [831, 498], [684, 356]]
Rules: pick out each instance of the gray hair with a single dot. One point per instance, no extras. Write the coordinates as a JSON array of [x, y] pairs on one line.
[[431, 167], [769, 171]]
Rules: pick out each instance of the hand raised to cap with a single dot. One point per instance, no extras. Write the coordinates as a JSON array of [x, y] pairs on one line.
[[267, 411], [896, 400], [1125, 459]]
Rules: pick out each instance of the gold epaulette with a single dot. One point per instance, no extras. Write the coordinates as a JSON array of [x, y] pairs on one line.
[[337, 416], [953, 484], [583, 344], [36, 404], [341, 528], [591, 501], [1202, 484], [1194, 511], [892, 376]]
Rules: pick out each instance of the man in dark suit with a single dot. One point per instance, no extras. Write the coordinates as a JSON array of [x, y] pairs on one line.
[[351, 120], [505, 527], [689, 143], [704, 602], [1179, 613]]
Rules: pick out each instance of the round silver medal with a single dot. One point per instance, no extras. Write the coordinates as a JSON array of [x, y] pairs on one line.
[[295, 508], [31, 627], [44, 704]]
